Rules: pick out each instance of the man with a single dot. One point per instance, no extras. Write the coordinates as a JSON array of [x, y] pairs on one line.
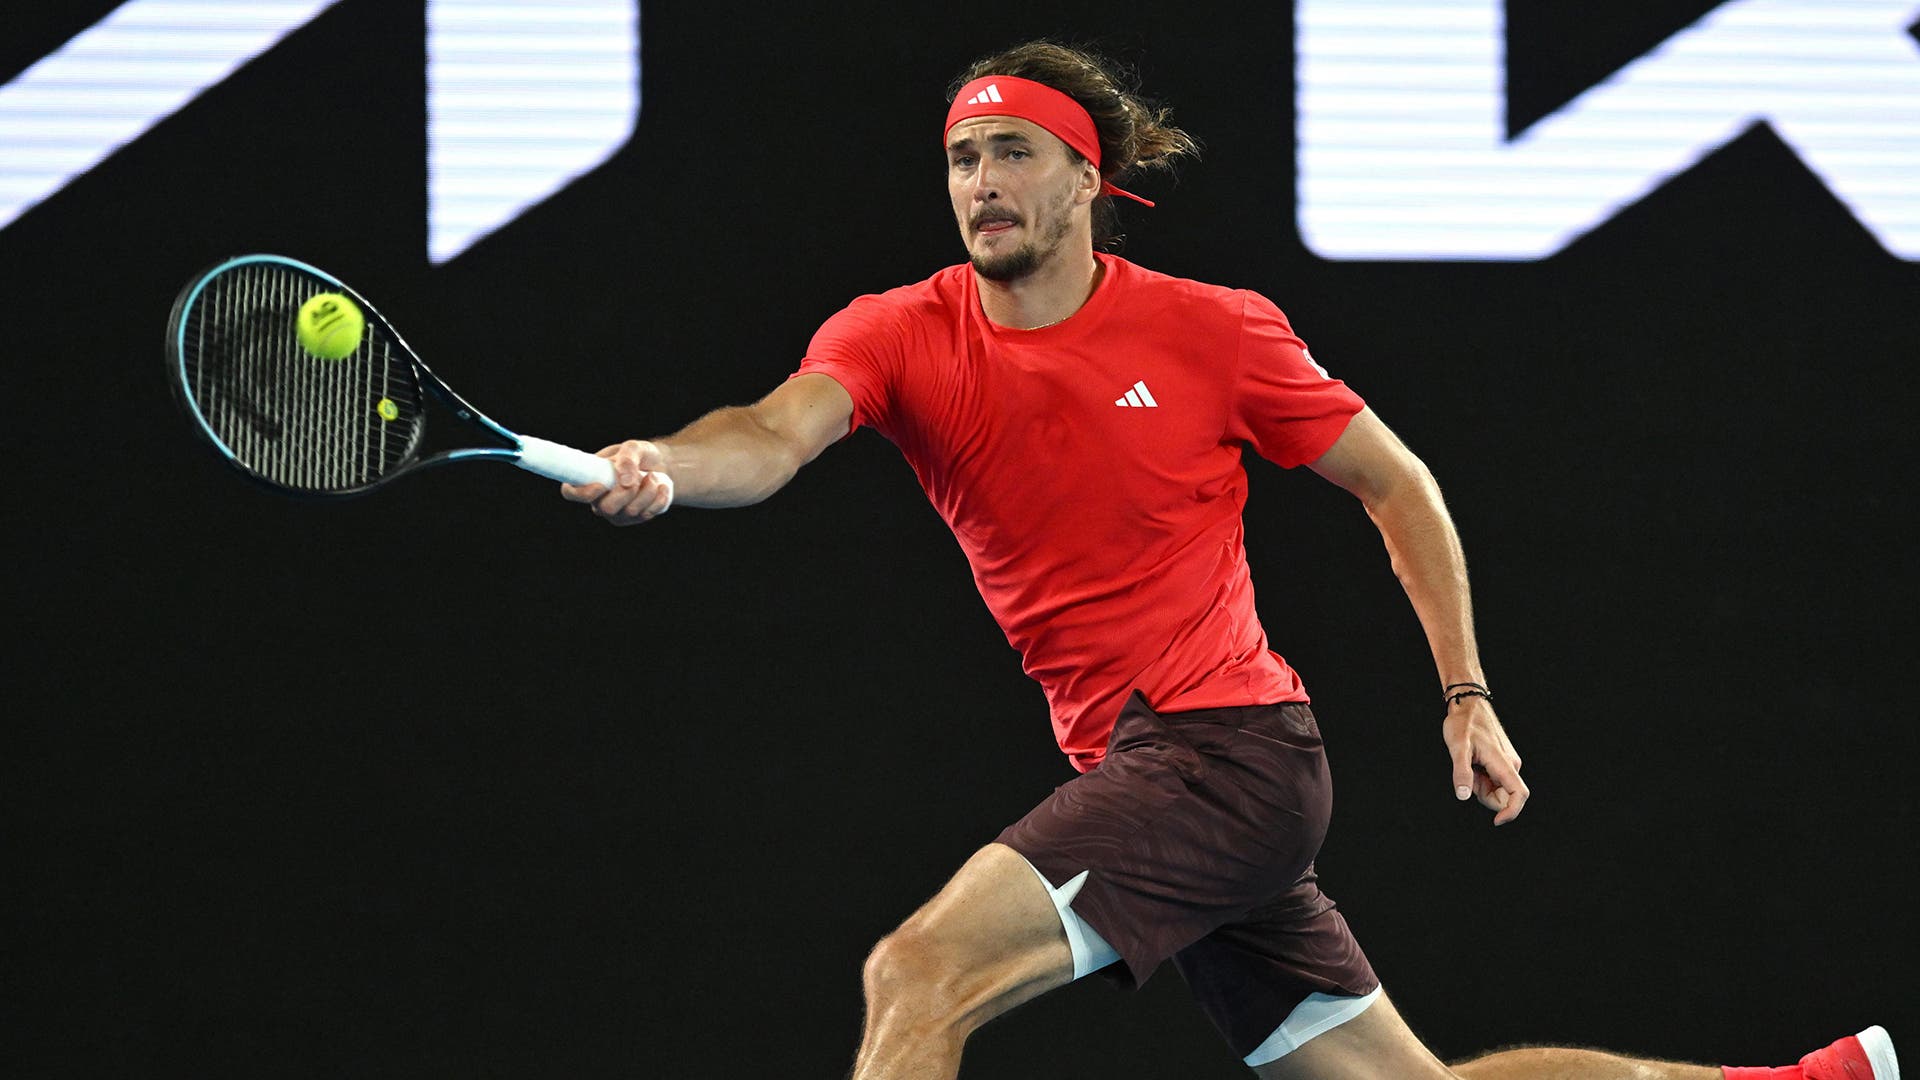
[[1078, 422]]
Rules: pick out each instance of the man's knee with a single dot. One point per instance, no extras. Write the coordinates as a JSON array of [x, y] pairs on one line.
[[906, 968]]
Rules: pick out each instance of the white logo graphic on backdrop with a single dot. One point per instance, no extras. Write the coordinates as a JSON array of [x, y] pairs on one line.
[[521, 99], [1403, 151]]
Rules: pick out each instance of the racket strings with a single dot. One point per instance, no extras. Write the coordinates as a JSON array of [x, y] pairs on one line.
[[288, 416]]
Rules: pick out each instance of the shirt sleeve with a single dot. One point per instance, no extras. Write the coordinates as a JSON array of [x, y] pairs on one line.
[[860, 348], [1285, 405]]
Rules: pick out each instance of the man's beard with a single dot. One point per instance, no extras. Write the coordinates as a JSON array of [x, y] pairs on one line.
[[1026, 258]]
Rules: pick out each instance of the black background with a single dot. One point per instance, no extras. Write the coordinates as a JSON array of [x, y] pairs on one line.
[[457, 780]]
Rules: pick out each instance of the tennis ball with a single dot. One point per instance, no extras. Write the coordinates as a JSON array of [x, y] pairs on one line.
[[330, 326]]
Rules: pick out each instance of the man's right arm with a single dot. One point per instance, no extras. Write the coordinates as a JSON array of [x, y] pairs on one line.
[[734, 456]]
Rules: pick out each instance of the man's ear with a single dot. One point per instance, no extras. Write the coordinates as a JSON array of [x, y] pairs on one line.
[[1088, 187]]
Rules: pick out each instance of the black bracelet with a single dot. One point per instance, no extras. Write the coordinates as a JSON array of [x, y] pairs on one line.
[[1474, 689]]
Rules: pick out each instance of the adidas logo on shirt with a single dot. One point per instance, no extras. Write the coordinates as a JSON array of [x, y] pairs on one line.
[[990, 94], [1137, 398], [1308, 353]]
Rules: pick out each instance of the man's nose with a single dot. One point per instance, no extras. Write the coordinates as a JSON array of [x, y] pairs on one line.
[[984, 189]]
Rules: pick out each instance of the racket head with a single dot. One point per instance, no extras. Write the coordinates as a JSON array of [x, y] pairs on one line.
[[283, 417]]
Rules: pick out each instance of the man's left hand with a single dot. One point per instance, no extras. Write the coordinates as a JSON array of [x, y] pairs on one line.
[[1485, 764]]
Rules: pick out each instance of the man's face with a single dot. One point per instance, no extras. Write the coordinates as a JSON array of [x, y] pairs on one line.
[[1014, 188]]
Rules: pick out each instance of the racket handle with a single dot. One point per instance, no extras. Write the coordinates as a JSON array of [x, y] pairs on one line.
[[563, 463]]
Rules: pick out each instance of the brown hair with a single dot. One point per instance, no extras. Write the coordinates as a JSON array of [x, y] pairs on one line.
[[1134, 133]]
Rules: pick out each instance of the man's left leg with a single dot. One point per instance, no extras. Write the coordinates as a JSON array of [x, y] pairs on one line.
[[1378, 1043], [1548, 1062], [1866, 1056]]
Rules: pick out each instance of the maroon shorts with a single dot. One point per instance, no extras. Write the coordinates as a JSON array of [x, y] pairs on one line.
[[1199, 831]]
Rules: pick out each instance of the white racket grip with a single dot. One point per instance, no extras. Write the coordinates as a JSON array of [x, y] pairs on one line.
[[564, 463]]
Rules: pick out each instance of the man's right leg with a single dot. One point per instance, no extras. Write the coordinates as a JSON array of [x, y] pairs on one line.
[[988, 941]]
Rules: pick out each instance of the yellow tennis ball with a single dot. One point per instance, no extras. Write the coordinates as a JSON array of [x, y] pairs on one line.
[[330, 326]]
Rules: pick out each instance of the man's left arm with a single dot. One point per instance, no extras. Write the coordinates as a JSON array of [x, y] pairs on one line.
[[1404, 502]]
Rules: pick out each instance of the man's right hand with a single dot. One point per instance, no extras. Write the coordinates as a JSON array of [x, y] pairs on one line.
[[733, 456], [642, 491]]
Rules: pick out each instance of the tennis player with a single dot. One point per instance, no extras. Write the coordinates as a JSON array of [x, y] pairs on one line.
[[1078, 422]]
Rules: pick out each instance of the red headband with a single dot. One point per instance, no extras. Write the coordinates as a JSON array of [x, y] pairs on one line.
[[1063, 117]]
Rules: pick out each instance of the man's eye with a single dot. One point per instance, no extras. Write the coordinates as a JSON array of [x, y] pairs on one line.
[[1016, 154]]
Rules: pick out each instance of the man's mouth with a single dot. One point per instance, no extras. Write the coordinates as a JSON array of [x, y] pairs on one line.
[[993, 225]]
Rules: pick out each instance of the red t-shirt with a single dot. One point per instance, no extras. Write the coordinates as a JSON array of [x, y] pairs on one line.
[[1091, 471]]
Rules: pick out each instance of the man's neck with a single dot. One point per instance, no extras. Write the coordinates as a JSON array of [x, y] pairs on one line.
[[1051, 294]]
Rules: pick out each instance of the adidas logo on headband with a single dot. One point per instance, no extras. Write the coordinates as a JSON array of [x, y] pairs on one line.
[[1041, 104]]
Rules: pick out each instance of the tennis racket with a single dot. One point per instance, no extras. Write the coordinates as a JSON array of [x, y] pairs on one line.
[[304, 425]]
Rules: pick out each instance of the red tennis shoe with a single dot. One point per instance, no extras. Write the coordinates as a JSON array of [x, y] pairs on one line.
[[1866, 1056]]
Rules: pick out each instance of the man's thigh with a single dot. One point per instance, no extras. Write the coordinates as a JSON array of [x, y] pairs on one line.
[[991, 933], [1375, 1044]]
